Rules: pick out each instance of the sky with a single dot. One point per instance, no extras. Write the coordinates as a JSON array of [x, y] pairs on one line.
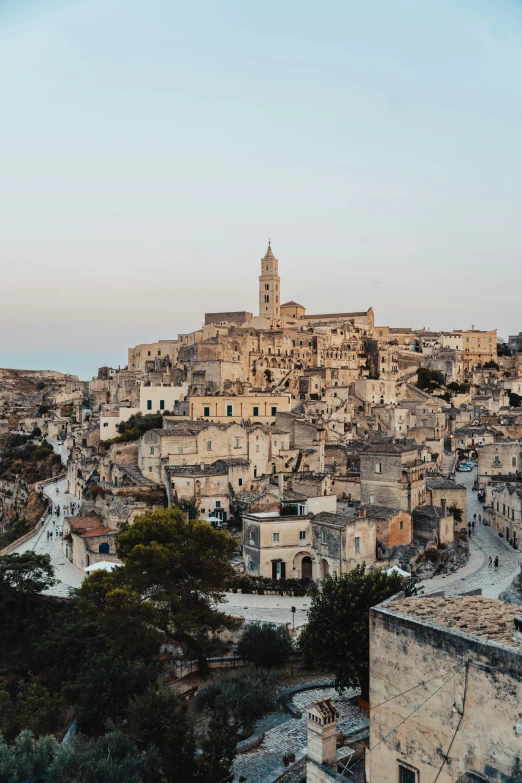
[[148, 150]]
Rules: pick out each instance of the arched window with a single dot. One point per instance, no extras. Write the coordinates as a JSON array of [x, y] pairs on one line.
[[104, 549]]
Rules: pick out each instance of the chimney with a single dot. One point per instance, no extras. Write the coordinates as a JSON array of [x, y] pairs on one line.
[[321, 731], [281, 483], [517, 636]]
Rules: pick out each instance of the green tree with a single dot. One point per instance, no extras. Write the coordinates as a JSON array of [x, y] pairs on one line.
[[180, 566], [26, 573], [112, 758], [244, 696], [103, 688], [457, 513], [491, 365], [218, 751], [151, 421], [430, 379], [159, 718], [336, 637], [27, 758], [515, 400], [265, 645]]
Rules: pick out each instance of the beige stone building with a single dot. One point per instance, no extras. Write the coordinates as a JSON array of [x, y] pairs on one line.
[[506, 505], [501, 458], [445, 493], [392, 474], [306, 547], [253, 407], [445, 691], [86, 540]]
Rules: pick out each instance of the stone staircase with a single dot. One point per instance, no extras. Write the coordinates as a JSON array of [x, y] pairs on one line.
[[448, 464]]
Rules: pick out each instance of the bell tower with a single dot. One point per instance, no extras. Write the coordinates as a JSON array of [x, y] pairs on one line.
[[269, 286]]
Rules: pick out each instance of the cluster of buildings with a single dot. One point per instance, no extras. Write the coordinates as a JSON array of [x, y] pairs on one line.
[[308, 431]]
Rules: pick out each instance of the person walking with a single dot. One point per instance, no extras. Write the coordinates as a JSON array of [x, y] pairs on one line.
[[48, 535], [469, 528], [490, 562], [496, 561], [473, 524], [480, 517]]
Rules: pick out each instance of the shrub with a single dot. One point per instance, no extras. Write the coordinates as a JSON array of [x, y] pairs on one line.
[[265, 645], [243, 696]]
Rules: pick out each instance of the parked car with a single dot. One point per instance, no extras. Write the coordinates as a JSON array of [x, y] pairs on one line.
[[472, 463], [465, 468], [59, 442]]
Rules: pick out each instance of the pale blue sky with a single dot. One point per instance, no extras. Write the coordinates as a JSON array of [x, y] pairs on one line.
[[149, 149]]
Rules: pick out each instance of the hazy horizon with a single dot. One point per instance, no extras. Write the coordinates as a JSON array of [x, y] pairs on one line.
[[149, 151]]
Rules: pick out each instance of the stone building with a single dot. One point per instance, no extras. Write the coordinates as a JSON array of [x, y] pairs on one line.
[[434, 524], [446, 674], [506, 516], [306, 547], [503, 457], [86, 540], [446, 493], [392, 474]]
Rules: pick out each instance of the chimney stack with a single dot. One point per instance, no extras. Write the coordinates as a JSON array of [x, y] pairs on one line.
[[321, 731]]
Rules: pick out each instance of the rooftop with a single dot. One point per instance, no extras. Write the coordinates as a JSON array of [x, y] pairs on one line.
[[334, 520], [487, 618], [443, 483]]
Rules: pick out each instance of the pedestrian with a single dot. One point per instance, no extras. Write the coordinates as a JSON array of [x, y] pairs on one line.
[[474, 517], [51, 534], [480, 517], [496, 561], [48, 535], [473, 524], [490, 562]]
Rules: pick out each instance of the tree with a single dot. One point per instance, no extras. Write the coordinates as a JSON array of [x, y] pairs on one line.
[[430, 379], [457, 513], [180, 566], [218, 751], [337, 635], [151, 421], [27, 758], [265, 645], [104, 686], [243, 696], [159, 718], [112, 758], [515, 400], [491, 365]]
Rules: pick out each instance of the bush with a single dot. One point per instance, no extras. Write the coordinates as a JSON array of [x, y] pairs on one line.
[[491, 365], [265, 645], [242, 696]]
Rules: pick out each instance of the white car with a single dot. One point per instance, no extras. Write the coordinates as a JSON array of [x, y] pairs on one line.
[[59, 442]]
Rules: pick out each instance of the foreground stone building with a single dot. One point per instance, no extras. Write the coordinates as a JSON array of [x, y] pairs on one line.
[[445, 691]]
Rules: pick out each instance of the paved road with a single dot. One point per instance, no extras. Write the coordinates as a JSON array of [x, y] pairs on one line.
[[68, 575], [484, 543], [268, 608]]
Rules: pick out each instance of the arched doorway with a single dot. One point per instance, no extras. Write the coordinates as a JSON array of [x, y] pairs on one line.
[[306, 567], [325, 568], [104, 549]]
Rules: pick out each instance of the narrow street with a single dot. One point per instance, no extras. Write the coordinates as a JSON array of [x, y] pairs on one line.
[[67, 574], [484, 543]]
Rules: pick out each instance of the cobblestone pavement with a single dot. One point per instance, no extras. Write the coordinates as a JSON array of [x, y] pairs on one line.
[[484, 543], [67, 574], [268, 608], [265, 763]]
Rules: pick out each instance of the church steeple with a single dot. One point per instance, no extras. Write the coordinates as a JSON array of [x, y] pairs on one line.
[[269, 285]]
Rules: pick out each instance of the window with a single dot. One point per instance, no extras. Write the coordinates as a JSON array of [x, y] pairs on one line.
[[496, 461], [252, 565], [255, 411], [218, 484], [162, 405], [255, 472], [273, 468], [152, 449], [267, 287], [229, 410], [282, 444], [357, 545], [401, 525], [218, 503], [302, 535], [180, 449], [206, 411], [274, 410], [240, 482], [149, 405], [257, 447], [148, 353], [371, 500], [209, 445], [237, 443], [150, 469], [275, 538], [378, 467], [105, 423], [514, 461], [407, 774], [324, 537]]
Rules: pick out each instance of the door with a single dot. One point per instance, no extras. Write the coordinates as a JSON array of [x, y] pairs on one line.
[[278, 569], [306, 568]]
